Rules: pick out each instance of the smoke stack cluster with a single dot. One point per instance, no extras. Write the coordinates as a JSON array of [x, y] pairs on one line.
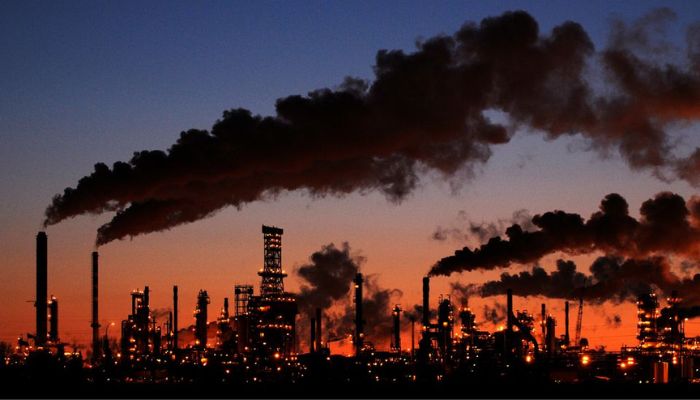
[[425, 111]]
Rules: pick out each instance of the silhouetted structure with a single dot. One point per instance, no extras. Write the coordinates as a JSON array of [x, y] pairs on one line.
[[175, 328], [200, 315], [95, 318], [53, 320], [41, 288], [396, 337], [358, 340]]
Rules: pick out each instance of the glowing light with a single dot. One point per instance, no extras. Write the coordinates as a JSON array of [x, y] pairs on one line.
[[585, 360]]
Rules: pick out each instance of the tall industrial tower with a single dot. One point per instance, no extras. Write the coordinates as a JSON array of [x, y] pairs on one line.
[[272, 274]]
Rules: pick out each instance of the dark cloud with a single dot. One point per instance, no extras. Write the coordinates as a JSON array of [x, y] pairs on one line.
[[424, 111], [667, 225]]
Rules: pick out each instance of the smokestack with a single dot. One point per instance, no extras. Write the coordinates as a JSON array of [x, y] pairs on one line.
[[225, 307], [41, 288], [146, 298], [509, 314], [544, 324], [319, 317], [396, 314], [53, 320], [359, 323], [566, 323], [312, 342], [426, 301], [200, 318], [95, 324], [175, 343]]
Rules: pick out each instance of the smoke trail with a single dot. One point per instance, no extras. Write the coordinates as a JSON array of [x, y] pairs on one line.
[[611, 279], [482, 231], [667, 225], [424, 111]]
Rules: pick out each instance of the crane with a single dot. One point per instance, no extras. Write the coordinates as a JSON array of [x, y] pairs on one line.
[[578, 321]]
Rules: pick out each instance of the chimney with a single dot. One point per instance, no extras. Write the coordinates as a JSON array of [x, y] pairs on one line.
[[426, 301], [95, 319], [312, 342], [146, 297], [41, 288], [53, 320], [510, 310], [359, 323], [544, 323], [566, 323], [319, 317], [396, 314], [225, 313], [175, 343]]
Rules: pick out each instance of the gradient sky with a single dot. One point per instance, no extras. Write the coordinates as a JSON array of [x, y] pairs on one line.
[[84, 82]]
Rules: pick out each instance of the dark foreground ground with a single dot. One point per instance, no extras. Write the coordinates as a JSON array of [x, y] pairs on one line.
[[502, 390]]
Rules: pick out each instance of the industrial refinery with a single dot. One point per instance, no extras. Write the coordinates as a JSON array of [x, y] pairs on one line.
[[257, 342]]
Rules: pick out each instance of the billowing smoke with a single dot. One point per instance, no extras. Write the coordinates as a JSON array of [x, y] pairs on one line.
[[482, 231], [425, 111], [611, 279], [494, 314], [327, 278], [667, 225], [327, 283]]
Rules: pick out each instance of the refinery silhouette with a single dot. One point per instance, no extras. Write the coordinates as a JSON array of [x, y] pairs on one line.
[[256, 350]]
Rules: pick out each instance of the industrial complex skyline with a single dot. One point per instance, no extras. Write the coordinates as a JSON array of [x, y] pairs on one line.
[[513, 180]]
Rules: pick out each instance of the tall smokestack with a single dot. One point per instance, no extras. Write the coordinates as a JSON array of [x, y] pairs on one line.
[[53, 320], [41, 288], [426, 301], [359, 323], [566, 323], [95, 324], [225, 313], [312, 341], [319, 332], [175, 343], [396, 314], [544, 324], [509, 305]]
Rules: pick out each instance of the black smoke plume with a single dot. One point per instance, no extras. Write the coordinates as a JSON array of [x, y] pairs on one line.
[[424, 111], [327, 282], [667, 225], [327, 278], [610, 279]]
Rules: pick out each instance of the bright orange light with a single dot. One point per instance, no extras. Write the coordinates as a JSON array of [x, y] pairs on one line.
[[277, 355], [623, 365], [528, 359], [585, 360]]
